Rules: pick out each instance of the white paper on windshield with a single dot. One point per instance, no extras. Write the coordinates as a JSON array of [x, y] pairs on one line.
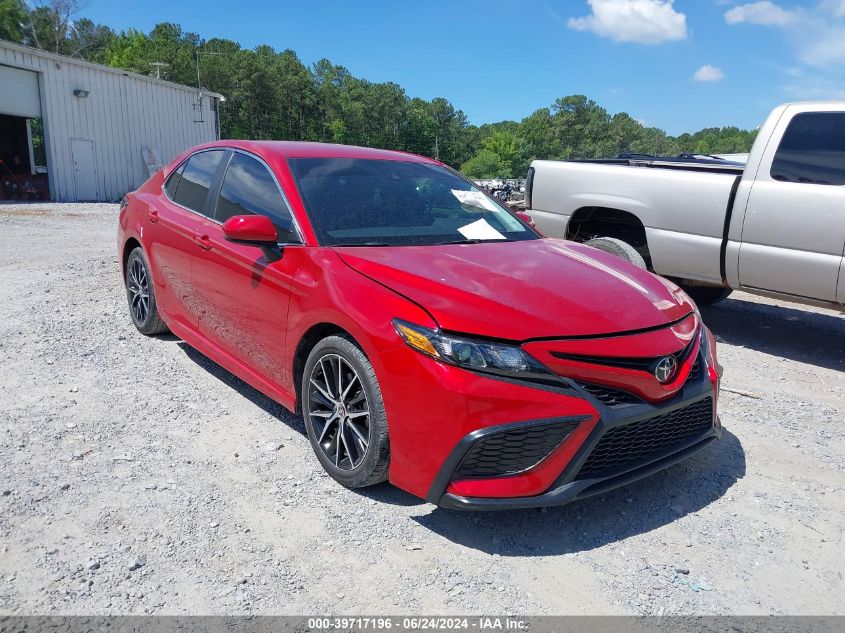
[[480, 230], [474, 200]]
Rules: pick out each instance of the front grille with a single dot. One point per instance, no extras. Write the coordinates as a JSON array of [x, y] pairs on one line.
[[513, 451], [640, 364], [626, 446], [609, 396]]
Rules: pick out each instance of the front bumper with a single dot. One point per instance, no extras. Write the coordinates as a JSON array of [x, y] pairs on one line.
[[568, 492], [580, 476]]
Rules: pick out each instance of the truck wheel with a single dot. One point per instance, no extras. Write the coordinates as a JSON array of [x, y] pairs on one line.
[[707, 295], [619, 248]]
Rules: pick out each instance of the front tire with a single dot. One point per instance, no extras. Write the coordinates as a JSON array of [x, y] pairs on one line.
[[707, 295], [344, 414], [140, 294], [620, 248]]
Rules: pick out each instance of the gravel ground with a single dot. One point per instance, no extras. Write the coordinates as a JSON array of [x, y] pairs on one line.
[[139, 477]]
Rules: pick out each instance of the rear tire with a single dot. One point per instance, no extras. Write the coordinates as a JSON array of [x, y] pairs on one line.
[[141, 295], [707, 295], [617, 247], [338, 386]]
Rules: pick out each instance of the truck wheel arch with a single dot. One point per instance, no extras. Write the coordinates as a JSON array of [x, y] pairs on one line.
[[591, 222]]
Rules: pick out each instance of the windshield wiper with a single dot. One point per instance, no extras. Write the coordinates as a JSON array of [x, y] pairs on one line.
[[470, 241]]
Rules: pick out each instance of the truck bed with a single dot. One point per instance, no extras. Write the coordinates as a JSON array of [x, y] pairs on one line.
[[682, 205], [683, 162]]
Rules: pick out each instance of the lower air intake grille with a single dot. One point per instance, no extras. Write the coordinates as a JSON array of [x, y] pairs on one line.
[[513, 451], [628, 445], [695, 371]]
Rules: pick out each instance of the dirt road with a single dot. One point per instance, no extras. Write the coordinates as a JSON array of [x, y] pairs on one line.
[[139, 477]]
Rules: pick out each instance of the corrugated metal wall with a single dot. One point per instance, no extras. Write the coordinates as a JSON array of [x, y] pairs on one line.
[[122, 114]]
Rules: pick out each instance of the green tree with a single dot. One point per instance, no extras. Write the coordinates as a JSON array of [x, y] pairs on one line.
[[485, 164], [272, 95], [509, 147], [88, 40], [13, 20]]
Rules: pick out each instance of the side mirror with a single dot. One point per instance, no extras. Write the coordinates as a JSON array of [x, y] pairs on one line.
[[257, 229]]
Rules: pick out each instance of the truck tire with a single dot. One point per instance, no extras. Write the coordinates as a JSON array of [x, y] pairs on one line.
[[619, 248], [707, 295]]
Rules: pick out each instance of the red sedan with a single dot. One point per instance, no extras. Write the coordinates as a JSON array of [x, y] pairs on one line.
[[426, 334]]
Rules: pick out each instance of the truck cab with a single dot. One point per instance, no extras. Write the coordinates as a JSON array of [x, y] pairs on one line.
[[788, 232], [775, 225]]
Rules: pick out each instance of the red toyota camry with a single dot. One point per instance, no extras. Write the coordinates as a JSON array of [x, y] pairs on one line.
[[427, 335]]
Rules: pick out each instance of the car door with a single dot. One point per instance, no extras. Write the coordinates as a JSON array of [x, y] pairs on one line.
[[173, 223], [242, 295], [794, 228]]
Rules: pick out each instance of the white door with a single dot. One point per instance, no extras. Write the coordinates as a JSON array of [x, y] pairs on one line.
[[794, 229], [84, 170]]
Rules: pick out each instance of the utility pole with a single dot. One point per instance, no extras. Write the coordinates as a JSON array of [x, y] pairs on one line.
[[436, 146], [199, 52], [198, 105], [158, 66]]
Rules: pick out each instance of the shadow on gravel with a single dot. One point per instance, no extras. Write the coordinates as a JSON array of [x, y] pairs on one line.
[[793, 333], [584, 525], [390, 494], [233, 382]]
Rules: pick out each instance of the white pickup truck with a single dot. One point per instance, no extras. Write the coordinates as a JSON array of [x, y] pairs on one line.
[[773, 226]]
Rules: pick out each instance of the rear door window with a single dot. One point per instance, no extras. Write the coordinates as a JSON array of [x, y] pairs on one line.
[[197, 177], [812, 150], [249, 188]]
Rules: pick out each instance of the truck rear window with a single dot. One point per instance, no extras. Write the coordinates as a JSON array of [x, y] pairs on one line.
[[812, 150]]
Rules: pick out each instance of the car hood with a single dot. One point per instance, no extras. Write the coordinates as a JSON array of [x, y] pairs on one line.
[[523, 290]]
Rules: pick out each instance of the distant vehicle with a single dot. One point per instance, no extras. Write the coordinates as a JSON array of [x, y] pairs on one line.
[[774, 226], [736, 158], [425, 333]]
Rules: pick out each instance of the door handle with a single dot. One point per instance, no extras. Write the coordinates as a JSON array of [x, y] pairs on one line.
[[153, 215], [203, 241]]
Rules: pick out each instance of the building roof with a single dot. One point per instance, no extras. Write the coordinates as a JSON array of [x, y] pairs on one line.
[[65, 59]]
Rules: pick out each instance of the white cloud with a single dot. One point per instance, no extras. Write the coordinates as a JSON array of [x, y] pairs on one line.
[[638, 21], [825, 48], [765, 13], [802, 86], [817, 33], [835, 7], [708, 73]]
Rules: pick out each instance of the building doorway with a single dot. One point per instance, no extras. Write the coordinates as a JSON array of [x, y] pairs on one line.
[[23, 175], [84, 170]]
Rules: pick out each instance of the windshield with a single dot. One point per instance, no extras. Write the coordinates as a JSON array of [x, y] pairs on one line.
[[358, 202]]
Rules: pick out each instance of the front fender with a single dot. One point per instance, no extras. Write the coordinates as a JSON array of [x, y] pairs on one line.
[[325, 290]]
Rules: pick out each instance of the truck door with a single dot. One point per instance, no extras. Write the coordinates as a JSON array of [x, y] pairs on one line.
[[794, 229]]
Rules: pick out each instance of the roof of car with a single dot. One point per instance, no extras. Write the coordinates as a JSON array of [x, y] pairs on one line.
[[304, 149]]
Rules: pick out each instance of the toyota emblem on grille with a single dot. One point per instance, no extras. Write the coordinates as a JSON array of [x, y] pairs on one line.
[[665, 369]]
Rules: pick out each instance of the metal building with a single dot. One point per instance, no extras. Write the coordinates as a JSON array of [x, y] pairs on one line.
[[75, 131]]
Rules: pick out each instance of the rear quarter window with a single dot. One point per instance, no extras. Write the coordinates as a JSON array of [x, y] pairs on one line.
[[172, 183], [197, 175], [812, 150]]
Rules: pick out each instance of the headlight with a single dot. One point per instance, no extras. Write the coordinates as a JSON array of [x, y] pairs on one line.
[[494, 358]]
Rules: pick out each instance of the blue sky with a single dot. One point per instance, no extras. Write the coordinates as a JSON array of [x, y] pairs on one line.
[[680, 65]]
